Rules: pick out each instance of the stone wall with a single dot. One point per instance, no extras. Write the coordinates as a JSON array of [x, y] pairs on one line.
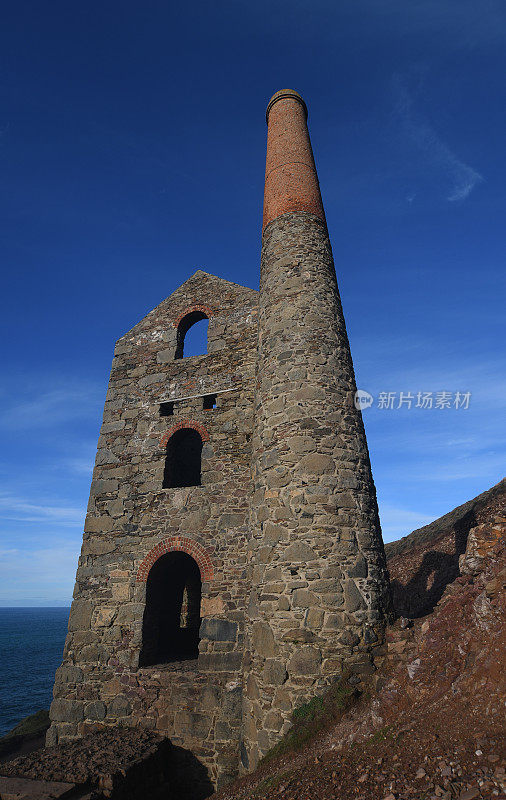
[[132, 520]]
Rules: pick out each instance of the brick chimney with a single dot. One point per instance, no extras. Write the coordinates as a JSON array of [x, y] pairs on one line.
[[291, 181]]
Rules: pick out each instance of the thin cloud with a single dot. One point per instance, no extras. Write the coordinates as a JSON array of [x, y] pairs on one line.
[[466, 24], [82, 460], [53, 407], [463, 178], [397, 522], [15, 508], [81, 466], [488, 467], [43, 576], [385, 369]]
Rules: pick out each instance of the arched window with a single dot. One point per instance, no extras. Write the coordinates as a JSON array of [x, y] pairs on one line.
[[170, 627], [192, 343], [183, 462]]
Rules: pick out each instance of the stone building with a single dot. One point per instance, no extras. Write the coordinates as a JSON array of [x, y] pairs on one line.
[[232, 563]]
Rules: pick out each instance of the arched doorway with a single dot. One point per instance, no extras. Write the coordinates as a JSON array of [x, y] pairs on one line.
[[170, 627]]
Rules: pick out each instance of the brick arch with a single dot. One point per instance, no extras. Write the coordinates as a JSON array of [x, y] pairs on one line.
[[207, 310], [182, 544], [185, 423]]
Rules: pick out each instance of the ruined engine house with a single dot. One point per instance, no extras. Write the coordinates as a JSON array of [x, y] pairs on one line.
[[232, 563]]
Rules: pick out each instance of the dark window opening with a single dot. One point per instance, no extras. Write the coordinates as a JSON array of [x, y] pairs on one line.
[[183, 462], [171, 622], [195, 343], [166, 409], [209, 402]]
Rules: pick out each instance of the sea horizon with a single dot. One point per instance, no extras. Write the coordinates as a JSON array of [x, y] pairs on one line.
[[53, 605]]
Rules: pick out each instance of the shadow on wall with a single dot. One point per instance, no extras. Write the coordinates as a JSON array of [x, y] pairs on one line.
[[425, 588], [189, 778]]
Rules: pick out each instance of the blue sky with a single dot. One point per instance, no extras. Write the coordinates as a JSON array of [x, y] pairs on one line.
[[132, 147]]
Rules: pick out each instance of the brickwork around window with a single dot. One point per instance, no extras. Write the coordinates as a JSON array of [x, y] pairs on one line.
[[181, 544], [185, 423], [204, 309]]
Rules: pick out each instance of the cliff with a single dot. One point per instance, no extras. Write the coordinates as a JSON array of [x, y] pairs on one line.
[[422, 564]]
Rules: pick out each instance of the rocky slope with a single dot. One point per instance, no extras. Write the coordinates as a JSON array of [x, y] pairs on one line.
[[432, 725]]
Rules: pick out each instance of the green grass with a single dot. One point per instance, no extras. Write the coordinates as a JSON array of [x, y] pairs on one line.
[[381, 735], [309, 711], [314, 717], [272, 783]]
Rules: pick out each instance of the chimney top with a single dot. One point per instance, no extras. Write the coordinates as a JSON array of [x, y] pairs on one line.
[[282, 94], [291, 182]]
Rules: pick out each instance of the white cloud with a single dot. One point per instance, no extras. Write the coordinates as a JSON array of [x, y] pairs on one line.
[[463, 24], [386, 367], [44, 576], [82, 460], [51, 408], [397, 522], [488, 467], [462, 177], [81, 466], [15, 508]]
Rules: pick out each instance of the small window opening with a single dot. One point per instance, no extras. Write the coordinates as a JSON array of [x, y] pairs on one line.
[[209, 402], [183, 462], [171, 622], [192, 335], [166, 409]]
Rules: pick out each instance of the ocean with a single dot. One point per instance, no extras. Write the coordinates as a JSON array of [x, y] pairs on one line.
[[31, 647]]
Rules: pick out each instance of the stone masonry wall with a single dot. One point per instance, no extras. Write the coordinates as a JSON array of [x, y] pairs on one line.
[[318, 567], [131, 521]]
